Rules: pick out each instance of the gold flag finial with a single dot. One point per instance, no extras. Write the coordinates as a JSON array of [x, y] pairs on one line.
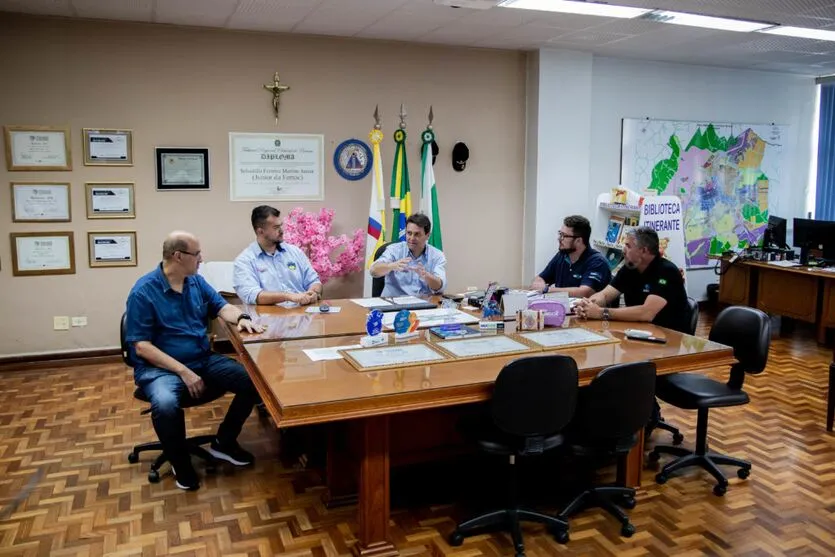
[[378, 124]]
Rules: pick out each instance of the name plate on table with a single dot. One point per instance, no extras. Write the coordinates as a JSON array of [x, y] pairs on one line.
[[566, 338], [484, 347], [388, 357]]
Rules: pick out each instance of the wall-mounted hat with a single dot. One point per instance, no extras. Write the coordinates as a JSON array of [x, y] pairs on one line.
[[460, 156], [435, 151]]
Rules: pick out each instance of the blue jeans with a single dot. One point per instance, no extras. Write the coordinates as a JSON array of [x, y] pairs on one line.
[[168, 393]]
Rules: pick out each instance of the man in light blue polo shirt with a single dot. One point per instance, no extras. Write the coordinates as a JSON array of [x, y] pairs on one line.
[[269, 272], [412, 268]]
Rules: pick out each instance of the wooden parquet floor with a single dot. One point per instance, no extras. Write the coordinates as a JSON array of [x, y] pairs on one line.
[[65, 434]]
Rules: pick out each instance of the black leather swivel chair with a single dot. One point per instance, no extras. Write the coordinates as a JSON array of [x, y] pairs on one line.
[[533, 401], [610, 411], [194, 444], [748, 331], [378, 283], [693, 305]]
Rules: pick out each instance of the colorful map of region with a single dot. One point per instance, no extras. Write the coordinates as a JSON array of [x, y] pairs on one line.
[[721, 172]]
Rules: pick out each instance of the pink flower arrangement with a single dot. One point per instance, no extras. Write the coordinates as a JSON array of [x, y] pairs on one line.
[[309, 232]]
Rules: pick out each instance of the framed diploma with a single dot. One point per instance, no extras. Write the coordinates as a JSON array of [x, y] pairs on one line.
[[276, 167], [37, 148], [107, 147], [574, 337], [110, 200], [112, 249], [182, 169], [42, 253], [41, 202], [388, 357], [483, 347]]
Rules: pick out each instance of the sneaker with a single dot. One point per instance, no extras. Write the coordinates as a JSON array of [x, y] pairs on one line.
[[186, 478], [231, 452]]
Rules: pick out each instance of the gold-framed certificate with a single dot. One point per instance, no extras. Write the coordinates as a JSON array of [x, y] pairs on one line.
[[37, 148], [393, 356], [42, 253], [107, 147], [41, 202], [110, 200], [112, 249]]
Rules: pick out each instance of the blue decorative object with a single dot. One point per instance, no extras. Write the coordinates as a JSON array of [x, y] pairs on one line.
[[352, 159], [374, 322], [401, 321], [490, 309]]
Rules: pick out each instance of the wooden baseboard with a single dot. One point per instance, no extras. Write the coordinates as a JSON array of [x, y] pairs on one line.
[[60, 359]]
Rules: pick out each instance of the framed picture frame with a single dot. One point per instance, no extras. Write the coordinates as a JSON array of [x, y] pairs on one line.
[[37, 148], [182, 169], [41, 202], [107, 147], [42, 253], [110, 200], [112, 249]]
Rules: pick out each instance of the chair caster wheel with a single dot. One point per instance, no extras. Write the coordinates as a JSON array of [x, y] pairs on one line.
[[628, 503], [660, 478], [678, 439], [653, 456], [720, 489], [456, 538], [561, 536], [133, 458], [627, 530], [743, 473], [153, 476]]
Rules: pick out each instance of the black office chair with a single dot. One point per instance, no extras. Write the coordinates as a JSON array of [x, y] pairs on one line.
[[678, 438], [533, 401], [194, 444], [748, 332], [610, 412], [378, 283]]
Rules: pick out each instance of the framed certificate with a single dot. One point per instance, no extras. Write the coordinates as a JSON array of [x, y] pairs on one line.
[[42, 253], [112, 249], [483, 347], [37, 148], [397, 356], [182, 169], [41, 202], [574, 337], [276, 167], [107, 147], [110, 200]]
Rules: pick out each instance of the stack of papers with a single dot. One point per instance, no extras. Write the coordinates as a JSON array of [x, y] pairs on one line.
[[371, 302]]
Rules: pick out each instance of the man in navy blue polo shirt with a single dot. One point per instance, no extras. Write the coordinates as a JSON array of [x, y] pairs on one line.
[[576, 269], [168, 311]]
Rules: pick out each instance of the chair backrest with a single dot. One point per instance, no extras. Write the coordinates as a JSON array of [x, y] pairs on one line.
[[124, 343], [748, 332], [535, 396], [616, 404], [378, 283], [694, 315]]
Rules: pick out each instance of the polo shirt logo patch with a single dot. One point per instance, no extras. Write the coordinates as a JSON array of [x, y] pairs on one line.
[[646, 288], [291, 266], [662, 281]]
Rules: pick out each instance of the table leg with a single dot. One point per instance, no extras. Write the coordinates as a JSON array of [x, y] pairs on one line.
[[375, 493], [830, 397], [342, 468], [635, 463]]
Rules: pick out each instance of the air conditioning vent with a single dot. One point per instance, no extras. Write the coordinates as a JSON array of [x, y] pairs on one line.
[[469, 4]]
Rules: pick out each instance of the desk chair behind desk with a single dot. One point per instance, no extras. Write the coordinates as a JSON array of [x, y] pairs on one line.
[[194, 444], [379, 283]]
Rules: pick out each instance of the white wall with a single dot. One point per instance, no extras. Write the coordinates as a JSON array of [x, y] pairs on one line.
[[634, 89]]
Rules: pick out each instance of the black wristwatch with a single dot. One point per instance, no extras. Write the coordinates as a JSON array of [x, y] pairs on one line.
[[243, 316]]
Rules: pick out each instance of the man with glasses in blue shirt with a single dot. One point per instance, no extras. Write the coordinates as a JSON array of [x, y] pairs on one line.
[[268, 271], [168, 311], [576, 269]]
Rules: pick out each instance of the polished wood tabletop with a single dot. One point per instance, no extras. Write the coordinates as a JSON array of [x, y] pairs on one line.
[[298, 391]]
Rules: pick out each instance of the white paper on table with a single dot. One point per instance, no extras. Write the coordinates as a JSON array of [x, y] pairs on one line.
[[371, 302], [403, 300], [330, 353], [433, 317], [782, 263], [315, 309]]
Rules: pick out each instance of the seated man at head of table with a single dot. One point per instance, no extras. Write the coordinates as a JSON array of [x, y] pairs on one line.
[[652, 286], [269, 272], [577, 269], [412, 268], [168, 311]]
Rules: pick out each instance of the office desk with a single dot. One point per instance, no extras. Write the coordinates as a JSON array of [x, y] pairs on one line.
[[298, 391]]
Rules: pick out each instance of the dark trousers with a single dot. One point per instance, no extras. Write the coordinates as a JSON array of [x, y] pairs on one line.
[[168, 393]]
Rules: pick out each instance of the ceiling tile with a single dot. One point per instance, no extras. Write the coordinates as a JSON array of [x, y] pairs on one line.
[[209, 13], [269, 15], [130, 10]]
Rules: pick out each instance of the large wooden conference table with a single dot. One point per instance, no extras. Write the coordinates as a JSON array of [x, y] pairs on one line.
[[298, 391]]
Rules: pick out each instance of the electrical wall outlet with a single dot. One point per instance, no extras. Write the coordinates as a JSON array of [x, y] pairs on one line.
[[61, 323], [79, 321]]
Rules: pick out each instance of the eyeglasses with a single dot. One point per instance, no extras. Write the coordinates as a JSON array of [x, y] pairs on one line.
[[563, 236], [195, 254]]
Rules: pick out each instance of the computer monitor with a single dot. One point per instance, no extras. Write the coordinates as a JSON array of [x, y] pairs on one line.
[[775, 233], [814, 234]]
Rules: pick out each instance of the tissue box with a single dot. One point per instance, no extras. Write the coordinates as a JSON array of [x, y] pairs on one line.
[[530, 320]]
